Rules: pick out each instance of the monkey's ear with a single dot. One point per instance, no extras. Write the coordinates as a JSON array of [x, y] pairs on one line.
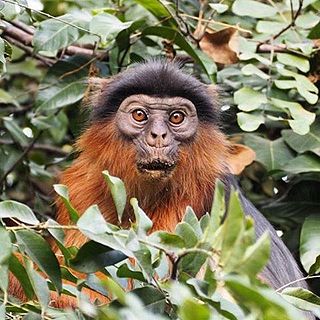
[[96, 86], [239, 157]]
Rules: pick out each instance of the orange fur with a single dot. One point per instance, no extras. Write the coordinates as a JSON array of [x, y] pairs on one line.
[[101, 148], [192, 182]]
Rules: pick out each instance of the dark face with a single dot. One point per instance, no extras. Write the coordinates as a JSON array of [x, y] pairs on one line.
[[157, 127]]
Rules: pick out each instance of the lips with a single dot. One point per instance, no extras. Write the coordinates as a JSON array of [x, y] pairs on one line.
[[156, 165]]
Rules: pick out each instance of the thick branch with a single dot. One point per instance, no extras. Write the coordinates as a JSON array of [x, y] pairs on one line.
[[21, 36]]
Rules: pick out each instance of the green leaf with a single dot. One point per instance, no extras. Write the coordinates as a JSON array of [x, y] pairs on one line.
[[143, 256], [124, 271], [59, 127], [159, 10], [93, 256], [61, 96], [250, 69], [272, 154], [302, 299], [310, 242], [168, 240], [304, 163], [307, 20], [14, 209], [107, 26], [256, 256], [118, 192], [285, 84], [303, 143], [249, 121], [263, 302], [304, 86], [93, 225], [303, 118], [187, 233], [4, 277], [115, 289], [253, 9], [6, 246], [270, 27], [191, 218], [52, 35], [192, 309], [93, 221], [315, 32], [27, 67], [153, 299], [248, 99], [216, 214], [7, 98], [232, 231], [15, 131], [40, 252], [294, 61], [20, 273], [219, 7], [39, 286], [63, 192], [143, 222], [9, 10], [2, 311]]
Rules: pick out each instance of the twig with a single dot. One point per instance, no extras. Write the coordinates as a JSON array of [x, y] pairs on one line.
[[290, 25], [295, 281], [40, 146], [185, 32], [51, 17], [24, 153], [176, 260], [217, 22], [267, 48]]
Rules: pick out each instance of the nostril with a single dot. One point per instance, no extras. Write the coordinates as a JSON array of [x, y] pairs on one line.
[[154, 135], [164, 135]]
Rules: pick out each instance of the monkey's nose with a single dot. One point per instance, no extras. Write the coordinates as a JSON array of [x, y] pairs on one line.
[[157, 135]]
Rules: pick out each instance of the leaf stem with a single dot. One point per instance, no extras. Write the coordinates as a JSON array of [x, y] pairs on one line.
[[297, 280]]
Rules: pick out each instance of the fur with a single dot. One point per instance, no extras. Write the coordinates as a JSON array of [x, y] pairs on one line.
[[155, 78], [164, 200]]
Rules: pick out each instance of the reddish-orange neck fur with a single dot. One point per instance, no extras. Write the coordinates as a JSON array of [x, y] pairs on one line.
[[192, 182]]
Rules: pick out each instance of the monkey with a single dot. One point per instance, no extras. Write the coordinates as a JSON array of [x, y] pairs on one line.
[[159, 130]]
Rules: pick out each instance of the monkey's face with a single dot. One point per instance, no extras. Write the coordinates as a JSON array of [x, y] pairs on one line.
[[157, 127]]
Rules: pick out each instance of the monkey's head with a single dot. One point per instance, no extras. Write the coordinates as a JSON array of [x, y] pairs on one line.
[[158, 108]]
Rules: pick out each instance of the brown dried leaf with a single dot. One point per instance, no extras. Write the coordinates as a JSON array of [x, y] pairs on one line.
[[221, 46], [240, 156]]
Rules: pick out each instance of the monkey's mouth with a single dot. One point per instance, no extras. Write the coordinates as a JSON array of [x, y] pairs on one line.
[[156, 165]]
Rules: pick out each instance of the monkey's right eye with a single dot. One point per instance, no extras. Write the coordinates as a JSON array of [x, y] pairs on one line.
[[139, 115]]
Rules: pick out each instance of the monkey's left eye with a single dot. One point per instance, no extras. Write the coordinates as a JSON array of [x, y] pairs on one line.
[[139, 115], [176, 117]]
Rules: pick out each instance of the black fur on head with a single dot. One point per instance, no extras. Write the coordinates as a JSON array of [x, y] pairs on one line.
[[156, 78]]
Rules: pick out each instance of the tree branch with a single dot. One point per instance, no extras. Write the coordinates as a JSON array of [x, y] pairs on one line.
[[21, 35], [291, 24], [40, 146]]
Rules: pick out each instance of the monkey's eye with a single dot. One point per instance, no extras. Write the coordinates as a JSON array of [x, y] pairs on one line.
[[176, 117], [139, 115]]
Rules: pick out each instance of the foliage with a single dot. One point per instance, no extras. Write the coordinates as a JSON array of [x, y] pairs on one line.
[[265, 57], [216, 266]]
